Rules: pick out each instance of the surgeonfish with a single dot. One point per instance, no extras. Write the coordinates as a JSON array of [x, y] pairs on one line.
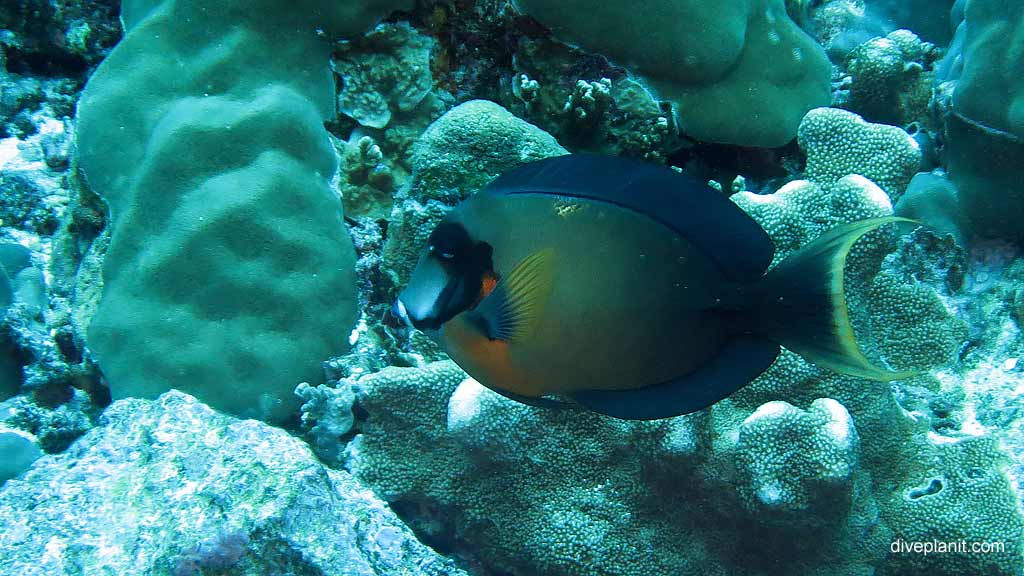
[[627, 288]]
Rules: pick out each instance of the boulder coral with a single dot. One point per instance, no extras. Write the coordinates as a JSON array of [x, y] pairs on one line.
[[229, 266], [457, 155], [985, 129], [740, 73]]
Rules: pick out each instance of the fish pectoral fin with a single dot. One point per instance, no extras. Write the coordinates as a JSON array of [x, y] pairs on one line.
[[510, 312]]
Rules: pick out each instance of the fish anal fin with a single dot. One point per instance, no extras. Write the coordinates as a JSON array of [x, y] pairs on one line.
[[739, 362]]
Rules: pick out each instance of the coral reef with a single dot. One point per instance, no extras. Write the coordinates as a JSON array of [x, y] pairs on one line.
[[748, 73], [933, 200], [197, 492], [387, 67], [387, 89], [228, 262], [195, 239], [890, 78], [797, 466], [457, 155], [587, 103], [985, 127], [839, 143], [54, 427], [623, 485], [46, 49]]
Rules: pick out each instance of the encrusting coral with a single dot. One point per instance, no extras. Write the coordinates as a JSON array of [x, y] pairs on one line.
[[800, 455]]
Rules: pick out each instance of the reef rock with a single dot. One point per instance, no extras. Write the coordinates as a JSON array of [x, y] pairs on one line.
[[197, 492]]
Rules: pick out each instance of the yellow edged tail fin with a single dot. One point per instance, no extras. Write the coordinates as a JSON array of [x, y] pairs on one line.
[[800, 303]]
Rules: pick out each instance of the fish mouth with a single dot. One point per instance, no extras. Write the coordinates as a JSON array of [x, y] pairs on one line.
[[397, 316]]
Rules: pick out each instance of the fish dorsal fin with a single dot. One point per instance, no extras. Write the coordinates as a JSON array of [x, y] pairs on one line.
[[511, 310], [705, 217], [739, 362]]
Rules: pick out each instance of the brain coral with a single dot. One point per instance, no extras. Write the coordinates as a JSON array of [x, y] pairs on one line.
[[738, 73], [229, 272]]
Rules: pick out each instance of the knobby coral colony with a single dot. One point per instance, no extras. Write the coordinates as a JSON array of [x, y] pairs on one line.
[[804, 380]]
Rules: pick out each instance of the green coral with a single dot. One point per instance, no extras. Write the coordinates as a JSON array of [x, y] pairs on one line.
[[471, 145], [990, 90], [229, 266], [369, 181], [839, 143], [457, 155], [798, 464], [389, 67], [934, 201], [985, 130], [586, 103], [891, 79], [741, 73]]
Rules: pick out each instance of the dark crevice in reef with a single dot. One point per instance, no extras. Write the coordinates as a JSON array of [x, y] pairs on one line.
[[724, 162], [434, 526], [48, 64]]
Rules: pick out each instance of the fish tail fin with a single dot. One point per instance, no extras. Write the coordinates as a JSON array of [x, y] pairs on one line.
[[800, 303]]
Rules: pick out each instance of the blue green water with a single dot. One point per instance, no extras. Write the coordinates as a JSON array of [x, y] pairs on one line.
[[236, 340]]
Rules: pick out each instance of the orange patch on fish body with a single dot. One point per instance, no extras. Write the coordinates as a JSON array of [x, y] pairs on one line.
[[488, 361], [486, 287]]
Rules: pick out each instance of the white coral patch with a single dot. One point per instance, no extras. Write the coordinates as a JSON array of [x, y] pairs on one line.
[[839, 425], [768, 410], [464, 405]]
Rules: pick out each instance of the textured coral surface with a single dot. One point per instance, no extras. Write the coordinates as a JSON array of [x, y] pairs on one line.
[[225, 198]]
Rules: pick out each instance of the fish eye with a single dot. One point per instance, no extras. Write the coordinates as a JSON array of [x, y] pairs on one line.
[[449, 242], [444, 254]]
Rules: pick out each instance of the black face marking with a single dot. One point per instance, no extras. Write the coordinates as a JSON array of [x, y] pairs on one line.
[[465, 262], [449, 241]]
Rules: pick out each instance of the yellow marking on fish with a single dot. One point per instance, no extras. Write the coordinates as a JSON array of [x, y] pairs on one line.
[[565, 209]]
